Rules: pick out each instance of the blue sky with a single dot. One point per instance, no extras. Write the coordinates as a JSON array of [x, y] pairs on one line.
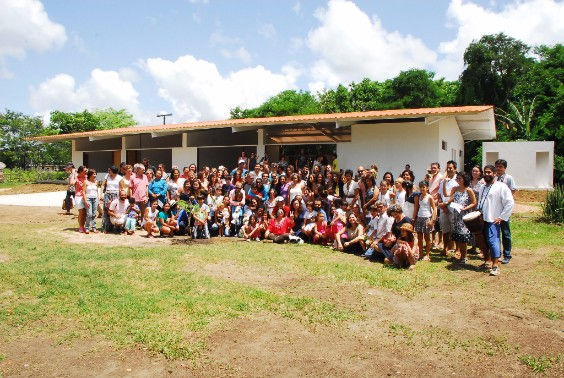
[[200, 58]]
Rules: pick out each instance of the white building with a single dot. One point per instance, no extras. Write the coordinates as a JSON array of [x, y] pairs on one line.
[[530, 163], [388, 138]]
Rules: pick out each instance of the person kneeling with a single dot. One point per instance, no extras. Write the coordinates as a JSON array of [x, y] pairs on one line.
[[118, 211]]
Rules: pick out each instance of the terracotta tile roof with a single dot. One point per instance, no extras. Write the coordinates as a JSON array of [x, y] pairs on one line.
[[297, 119]]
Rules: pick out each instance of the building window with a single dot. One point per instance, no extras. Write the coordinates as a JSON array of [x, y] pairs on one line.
[[444, 145]]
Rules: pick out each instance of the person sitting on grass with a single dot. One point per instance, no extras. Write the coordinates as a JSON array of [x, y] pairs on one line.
[[118, 211], [405, 252], [252, 230], [389, 240], [320, 235], [354, 232], [280, 228], [132, 215], [379, 226], [150, 219]]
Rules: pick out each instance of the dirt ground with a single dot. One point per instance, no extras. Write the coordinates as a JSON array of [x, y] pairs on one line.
[[447, 327]]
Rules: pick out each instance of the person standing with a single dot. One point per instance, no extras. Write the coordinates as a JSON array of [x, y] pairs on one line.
[[502, 176], [111, 192], [446, 186], [496, 204], [71, 179], [138, 186], [79, 197], [434, 183]]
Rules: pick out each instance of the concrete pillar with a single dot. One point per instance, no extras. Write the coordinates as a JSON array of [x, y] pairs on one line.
[[77, 157], [260, 144], [123, 150]]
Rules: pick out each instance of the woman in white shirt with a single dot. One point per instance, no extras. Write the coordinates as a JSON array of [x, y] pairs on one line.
[[90, 195], [296, 187], [351, 190], [426, 211], [111, 192]]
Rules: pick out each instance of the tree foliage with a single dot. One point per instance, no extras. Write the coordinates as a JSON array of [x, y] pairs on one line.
[[289, 102], [494, 65], [15, 128]]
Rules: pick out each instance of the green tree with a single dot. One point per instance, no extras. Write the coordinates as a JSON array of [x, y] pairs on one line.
[[69, 122], [518, 120], [414, 89], [494, 65], [289, 102], [544, 82], [15, 150]]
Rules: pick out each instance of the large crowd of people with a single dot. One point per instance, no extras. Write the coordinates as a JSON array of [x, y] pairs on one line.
[[397, 220]]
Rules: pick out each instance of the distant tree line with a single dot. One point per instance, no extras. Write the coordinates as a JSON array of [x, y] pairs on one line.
[[524, 83]]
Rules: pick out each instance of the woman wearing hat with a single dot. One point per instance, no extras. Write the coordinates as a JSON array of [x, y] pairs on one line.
[[405, 252]]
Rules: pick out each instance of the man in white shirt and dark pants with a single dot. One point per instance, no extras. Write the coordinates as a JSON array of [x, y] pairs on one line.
[[496, 204], [502, 176]]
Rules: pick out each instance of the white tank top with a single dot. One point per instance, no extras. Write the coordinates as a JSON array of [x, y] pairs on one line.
[[152, 215], [425, 207], [112, 186], [91, 189]]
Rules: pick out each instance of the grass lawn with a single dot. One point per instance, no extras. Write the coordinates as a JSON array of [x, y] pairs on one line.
[[232, 307]]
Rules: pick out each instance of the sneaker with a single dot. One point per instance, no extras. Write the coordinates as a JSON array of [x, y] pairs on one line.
[[301, 241], [506, 260], [462, 261], [494, 271], [86, 231]]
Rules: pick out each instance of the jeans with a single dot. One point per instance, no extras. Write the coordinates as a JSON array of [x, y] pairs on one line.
[[387, 252], [492, 232], [200, 231], [130, 224], [506, 239], [182, 221], [91, 212]]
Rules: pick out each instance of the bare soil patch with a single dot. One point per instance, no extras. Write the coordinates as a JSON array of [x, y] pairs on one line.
[[474, 328], [530, 195]]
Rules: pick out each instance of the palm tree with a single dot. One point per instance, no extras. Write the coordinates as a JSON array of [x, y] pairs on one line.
[[518, 119]]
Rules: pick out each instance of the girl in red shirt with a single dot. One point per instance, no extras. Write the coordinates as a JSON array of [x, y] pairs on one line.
[[279, 228]]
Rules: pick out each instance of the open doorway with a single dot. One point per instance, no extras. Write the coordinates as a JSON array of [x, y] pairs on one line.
[[300, 155]]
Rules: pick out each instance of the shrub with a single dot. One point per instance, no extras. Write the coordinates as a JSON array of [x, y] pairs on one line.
[[553, 206], [21, 176]]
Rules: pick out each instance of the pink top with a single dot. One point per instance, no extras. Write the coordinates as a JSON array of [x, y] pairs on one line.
[[79, 186], [321, 227], [138, 187]]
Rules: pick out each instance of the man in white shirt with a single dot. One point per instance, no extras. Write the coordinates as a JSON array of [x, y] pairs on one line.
[[502, 176], [434, 182], [378, 227], [118, 208], [496, 204], [446, 186]]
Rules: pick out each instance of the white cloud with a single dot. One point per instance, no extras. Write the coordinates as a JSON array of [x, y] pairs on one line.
[[241, 53], [198, 91], [533, 22], [25, 26], [103, 89], [267, 31], [351, 46], [297, 8]]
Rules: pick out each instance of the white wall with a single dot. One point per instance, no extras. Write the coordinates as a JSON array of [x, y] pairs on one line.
[[450, 133], [391, 146], [530, 163], [184, 156], [77, 157]]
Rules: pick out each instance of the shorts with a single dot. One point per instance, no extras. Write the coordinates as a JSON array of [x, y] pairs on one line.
[[79, 203], [444, 221], [422, 225]]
